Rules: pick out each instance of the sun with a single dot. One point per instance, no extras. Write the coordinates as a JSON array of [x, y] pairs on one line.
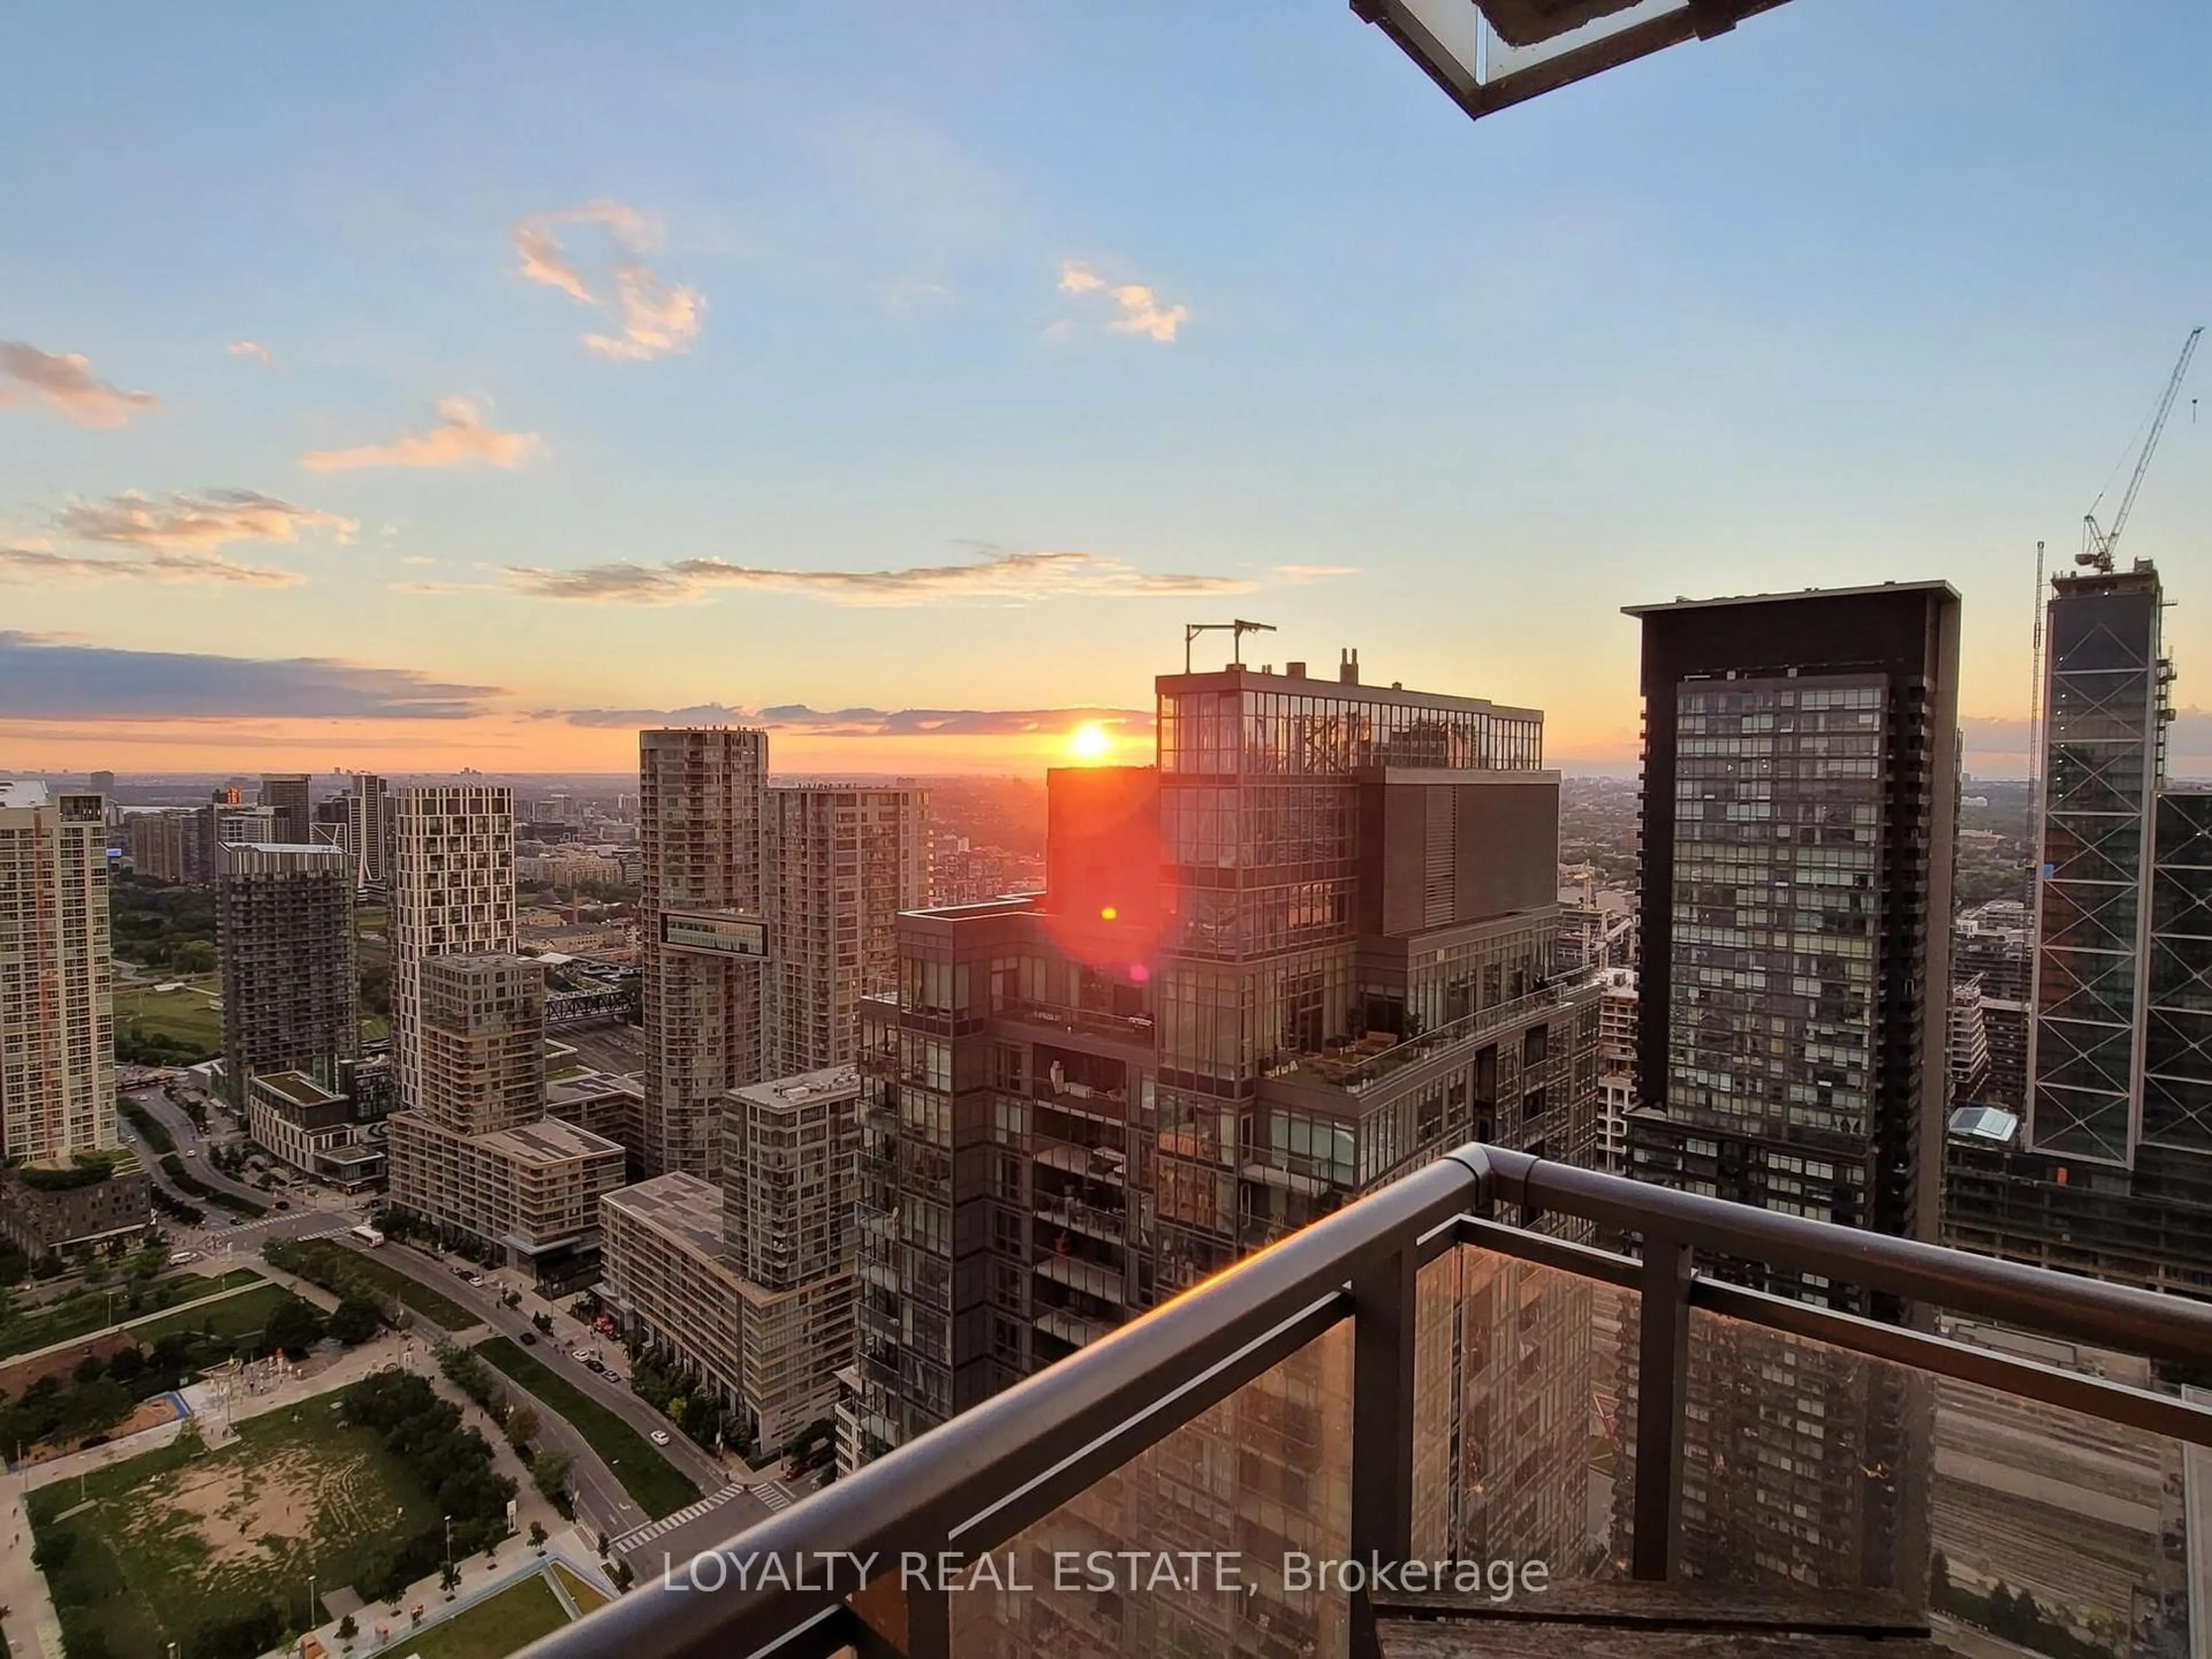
[[1089, 741]]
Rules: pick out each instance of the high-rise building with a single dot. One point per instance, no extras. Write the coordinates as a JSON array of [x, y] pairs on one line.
[[284, 928], [703, 938], [451, 894], [837, 865], [483, 1042], [289, 795], [1308, 951], [1800, 790], [1994, 944], [360, 821], [1617, 1025], [175, 846], [2105, 1167], [103, 783], [476, 1156], [56, 977], [788, 1188]]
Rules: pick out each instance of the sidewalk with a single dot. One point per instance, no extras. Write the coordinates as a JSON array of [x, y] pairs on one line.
[[33, 1630], [516, 1561]]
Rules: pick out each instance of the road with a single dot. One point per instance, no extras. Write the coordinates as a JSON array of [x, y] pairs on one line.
[[191, 1145], [314, 1212], [553, 1351]]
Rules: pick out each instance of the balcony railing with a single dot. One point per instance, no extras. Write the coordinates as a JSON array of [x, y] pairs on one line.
[[1031, 1453], [1354, 1076]]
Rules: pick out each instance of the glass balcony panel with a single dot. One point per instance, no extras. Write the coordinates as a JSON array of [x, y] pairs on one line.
[[2047, 1529], [1263, 1476], [1519, 1378]]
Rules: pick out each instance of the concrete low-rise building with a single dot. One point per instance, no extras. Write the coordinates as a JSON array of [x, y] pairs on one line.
[[51, 1208], [529, 1196], [315, 1130], [668, 1281], [749, 1283]]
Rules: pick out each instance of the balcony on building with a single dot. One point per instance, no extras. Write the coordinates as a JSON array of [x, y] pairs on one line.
[[1437, 1372]]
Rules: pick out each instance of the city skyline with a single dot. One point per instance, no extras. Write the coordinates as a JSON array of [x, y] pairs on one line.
[[882, 337]]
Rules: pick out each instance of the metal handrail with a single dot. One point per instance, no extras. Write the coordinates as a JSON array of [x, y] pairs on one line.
[[977, 1480]]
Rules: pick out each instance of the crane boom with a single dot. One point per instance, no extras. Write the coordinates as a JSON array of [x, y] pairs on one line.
[[2098, 544]]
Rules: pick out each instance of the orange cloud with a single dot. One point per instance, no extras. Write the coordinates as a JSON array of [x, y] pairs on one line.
[[1141, 308], [253, 348], [64, 383], [1002, 575], [657, 318], [34, 564], [459, 439], [195, 523]]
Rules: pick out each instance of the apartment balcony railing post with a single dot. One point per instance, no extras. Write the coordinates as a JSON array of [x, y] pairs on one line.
[[1662, 1388], [1382, 1313], [902, 1621]]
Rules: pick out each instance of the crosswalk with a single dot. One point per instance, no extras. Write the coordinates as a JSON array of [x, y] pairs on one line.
[[668, 1523], [775, 1496], [335, 1231]]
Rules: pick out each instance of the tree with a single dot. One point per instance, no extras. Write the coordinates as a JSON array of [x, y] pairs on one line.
[[347, 1629], [550, 1473], [521, 1427], [537, 1536], [195, 956], [356, 1320], [448, 1578], [622, 1576], [293, 1328]]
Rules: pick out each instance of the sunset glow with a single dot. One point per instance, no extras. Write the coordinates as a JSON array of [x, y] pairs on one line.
[[1090, 742]]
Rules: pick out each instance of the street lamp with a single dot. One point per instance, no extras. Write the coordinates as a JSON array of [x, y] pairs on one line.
[[311, 1620], [449, 1541]]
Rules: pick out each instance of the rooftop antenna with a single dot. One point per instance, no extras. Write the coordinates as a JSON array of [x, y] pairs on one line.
[[1240, 628]]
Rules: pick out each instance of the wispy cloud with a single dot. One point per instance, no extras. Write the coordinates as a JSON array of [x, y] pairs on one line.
[[909, 294], [656, 318], [1141, 309], [862, 722], [196, 523], [44, 677], [64, 382], [253, 348], [1298, 575], [459, 439], [999, 575], [42, 565]]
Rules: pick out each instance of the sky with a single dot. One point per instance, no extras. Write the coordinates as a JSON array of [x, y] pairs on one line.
[[413, 387]]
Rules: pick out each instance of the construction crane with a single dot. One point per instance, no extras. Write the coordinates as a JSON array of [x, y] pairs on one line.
[[2098, 544], [1240, 628]]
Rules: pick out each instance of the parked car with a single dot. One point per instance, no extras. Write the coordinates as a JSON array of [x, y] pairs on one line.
[[582, 1356], [528, 1339], [659, 1437], [476, 1280]]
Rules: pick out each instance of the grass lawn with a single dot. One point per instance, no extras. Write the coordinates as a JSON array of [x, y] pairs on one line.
[[181, 1537], [659, 1487], [87, 1312], [491, 1630], [587, 1599], [386, 1280], [235, 1315], [187, 1015]]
